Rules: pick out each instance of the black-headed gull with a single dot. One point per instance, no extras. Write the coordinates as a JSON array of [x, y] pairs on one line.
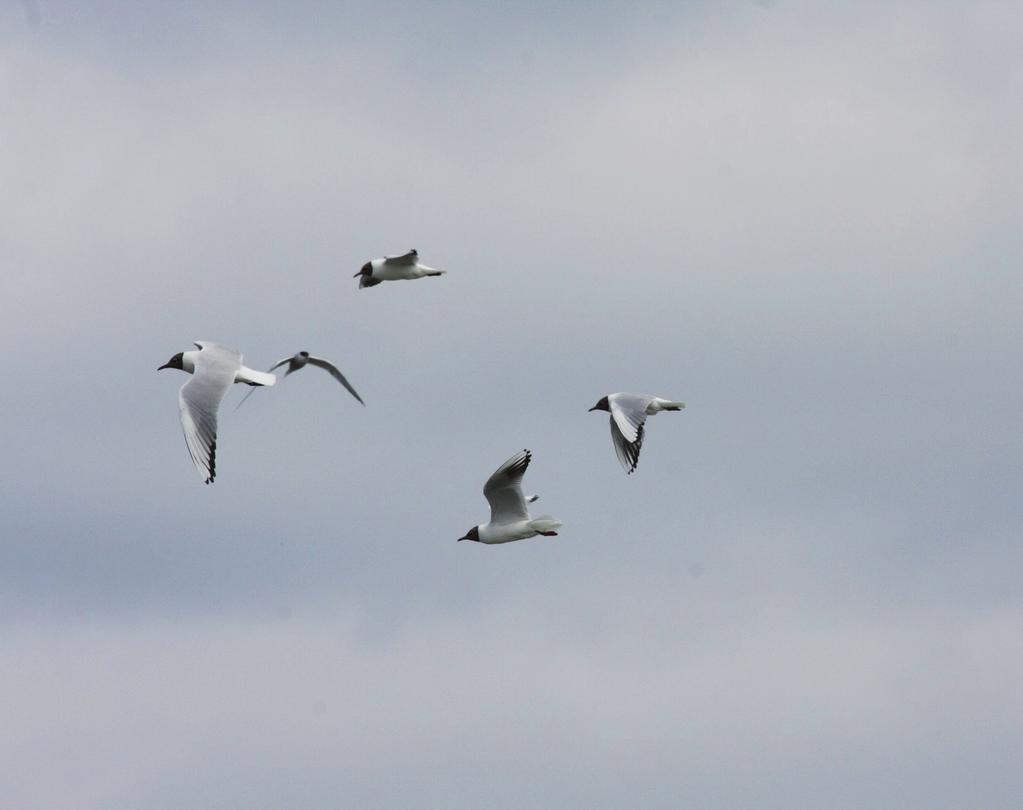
[[509, 517], [301, 360], [394, 268], [628, 413], [214, 370]]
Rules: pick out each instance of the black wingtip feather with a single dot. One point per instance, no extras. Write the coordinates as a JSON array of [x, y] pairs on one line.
[[522, 463], [213, 462]]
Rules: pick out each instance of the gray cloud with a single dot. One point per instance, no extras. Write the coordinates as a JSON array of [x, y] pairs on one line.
[[597, 704]]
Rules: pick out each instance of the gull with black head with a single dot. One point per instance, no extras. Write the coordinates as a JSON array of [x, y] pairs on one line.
[[509, 517], [628, 415], [214, 369], [395, 268]]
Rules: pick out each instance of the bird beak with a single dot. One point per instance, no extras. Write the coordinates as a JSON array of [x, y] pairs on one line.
[[591, 409], [165, 365]]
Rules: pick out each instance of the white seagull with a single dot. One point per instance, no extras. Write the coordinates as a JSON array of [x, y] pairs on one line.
[[509, 517], [394, 268], [628, 413], [214, 370], [301, 360]]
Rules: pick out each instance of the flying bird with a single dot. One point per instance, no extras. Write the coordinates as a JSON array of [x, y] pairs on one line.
[[301, 360], [509, 517], [214, 370], [628, 413], [394, 268]]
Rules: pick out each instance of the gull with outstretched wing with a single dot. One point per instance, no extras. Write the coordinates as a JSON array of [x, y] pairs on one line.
[[395, 268], [214, 369], [628, 417], [509, 515], [301, 360]]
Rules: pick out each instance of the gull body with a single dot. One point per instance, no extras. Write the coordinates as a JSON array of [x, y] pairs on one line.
[[628, 416], [509, 518], [214, 369], [301, 360], [394, 268]]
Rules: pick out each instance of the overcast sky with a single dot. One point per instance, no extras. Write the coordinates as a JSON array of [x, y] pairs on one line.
[[802, 219]]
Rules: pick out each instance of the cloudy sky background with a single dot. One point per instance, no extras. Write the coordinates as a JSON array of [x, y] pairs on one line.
[[802, 219]]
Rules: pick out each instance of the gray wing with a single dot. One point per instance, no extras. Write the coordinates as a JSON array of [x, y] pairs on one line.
[[503, 490], [199, 400], [216, 354], [405, 260], [627, 452], [628, 415], [252, 390], [335, 372]]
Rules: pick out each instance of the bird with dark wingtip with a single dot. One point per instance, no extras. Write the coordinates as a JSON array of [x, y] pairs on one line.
[[301, 360], [509, 517], [214, 369], [628, 415], [394, 268]]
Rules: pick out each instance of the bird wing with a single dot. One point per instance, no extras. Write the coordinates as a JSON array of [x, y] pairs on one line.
[[405, 260], [628, 415], [335, 372], [503, 490], [199, 400], [627, 452], [217, 353]]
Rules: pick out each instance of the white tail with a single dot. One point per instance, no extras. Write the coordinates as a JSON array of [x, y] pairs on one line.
[[253, 377], [545, 523]]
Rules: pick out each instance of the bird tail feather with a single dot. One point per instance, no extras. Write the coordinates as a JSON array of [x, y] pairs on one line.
[[253, 377], [545, 523]]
